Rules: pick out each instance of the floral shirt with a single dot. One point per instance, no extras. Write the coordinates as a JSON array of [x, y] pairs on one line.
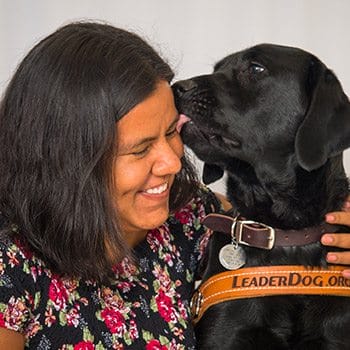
[[147, 307]]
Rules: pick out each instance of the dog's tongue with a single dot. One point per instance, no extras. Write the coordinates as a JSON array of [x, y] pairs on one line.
[[183, 119]]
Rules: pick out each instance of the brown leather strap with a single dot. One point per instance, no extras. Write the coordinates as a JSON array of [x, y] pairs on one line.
[[263, 236], [267, 281]]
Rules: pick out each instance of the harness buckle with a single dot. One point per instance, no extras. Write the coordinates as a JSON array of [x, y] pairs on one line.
[[237, 229], [196, 303]]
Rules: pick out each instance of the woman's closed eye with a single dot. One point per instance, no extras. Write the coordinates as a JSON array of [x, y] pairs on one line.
[[142, 152], [171, 132]]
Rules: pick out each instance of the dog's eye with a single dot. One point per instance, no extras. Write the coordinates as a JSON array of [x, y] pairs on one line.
[[256, 68]]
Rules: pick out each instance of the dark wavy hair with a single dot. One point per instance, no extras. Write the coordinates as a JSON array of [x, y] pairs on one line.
[[57, 143]]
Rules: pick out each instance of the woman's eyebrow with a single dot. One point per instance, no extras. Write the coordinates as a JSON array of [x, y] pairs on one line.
[[128, 147]]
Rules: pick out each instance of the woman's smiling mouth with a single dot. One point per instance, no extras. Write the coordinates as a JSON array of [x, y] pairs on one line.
[[157, 190]]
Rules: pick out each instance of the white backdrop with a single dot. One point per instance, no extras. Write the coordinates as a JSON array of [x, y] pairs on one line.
[[190, 34]]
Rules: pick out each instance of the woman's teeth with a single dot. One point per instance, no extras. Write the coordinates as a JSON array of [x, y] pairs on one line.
[[157, 190]]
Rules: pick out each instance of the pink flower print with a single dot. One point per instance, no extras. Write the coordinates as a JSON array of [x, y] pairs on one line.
[[178, 332], [178, 283], [189, 234], [125, 269], [182, 309], [124, 286], [165, 306], [163, 277], [2, 320], [155, 240], [203, 243], [168, 259], [198, 203], [50, 318], [70, 285], [33, 327], [157, 237], [34, 272], [185, 215], [25, 252], [118, 346], [155, 345], [133, 332], [13, 261], [84, 345], [174, 346], [84, 301], [58, 294], [73, 317], [29, 298], [16, 313], [113, 301], [114, 321]]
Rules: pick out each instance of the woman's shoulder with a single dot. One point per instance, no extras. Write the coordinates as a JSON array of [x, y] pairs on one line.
[[17, 264], [17, 284], [19, 267], [14, 250]]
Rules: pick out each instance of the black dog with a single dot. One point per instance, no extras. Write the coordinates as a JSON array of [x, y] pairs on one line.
[[276, 120]]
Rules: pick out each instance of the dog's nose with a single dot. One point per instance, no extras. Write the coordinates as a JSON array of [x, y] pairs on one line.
[[184, 86]]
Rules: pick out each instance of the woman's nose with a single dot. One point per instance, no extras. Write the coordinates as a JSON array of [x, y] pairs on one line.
[[168, 161]]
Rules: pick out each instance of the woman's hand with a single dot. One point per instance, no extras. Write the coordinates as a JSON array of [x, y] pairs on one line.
[[341, 240]]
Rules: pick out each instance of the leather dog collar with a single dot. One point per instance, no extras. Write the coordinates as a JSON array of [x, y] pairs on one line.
[[265, 281], [259, 235]]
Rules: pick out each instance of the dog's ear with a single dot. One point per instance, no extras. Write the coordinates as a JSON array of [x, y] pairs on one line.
[[325, 130], [211, 173]]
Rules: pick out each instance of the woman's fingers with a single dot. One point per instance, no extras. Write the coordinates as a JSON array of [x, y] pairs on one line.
[[341, 240], [346, 273], [339, 217], [342, 258]]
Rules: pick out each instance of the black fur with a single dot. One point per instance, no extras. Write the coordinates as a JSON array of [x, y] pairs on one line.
[[276, 120]]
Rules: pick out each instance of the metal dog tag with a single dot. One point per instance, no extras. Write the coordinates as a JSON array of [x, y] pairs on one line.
[[232, 257]]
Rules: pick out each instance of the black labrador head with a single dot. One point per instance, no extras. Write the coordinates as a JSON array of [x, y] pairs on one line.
[[266, 106]]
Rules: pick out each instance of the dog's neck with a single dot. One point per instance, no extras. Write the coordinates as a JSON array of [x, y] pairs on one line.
[[290, 198]]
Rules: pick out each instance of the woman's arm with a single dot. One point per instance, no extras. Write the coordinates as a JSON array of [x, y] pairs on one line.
[[341, 240], [11, 339]]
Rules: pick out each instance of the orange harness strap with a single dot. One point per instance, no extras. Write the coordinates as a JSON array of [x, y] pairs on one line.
[[263, 281]]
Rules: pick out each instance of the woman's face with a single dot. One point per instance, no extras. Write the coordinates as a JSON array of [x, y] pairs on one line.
[[149, 152]]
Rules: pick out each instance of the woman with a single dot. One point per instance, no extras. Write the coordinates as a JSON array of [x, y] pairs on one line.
[[91, 166]]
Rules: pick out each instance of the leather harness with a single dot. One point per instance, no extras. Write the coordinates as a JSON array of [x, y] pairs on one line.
[[263, 281]]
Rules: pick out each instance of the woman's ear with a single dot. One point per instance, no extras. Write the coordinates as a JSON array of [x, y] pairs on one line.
[[325, 131]]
